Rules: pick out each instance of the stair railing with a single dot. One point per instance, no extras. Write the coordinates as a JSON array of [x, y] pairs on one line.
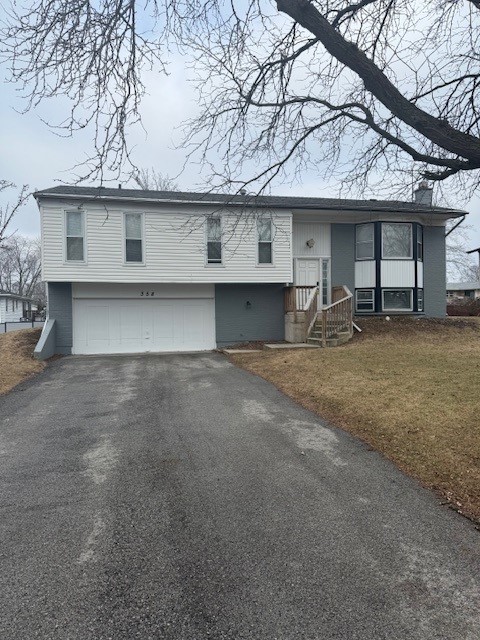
[[338, 316]]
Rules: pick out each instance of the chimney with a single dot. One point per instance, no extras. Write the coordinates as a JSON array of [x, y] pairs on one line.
[[423, 194], [119, 186]]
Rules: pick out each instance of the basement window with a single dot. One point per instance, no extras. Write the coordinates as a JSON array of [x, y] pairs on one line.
[[364, 300], [420, 299], [397, 300]]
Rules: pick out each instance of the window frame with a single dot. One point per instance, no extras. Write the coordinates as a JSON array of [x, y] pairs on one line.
[[134, 263], [65, 236], [207, 261], [264, 264], [363, 289], [410, 257], [419, 242], [422, 298], [394, 310], [372, 241]]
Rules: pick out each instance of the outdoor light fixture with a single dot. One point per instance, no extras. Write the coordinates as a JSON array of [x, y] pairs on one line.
[[310, 243]]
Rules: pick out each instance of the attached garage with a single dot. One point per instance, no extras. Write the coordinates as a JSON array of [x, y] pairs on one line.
[[131, 318]]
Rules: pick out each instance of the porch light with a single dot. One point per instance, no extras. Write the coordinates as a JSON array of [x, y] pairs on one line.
[[310, 243]]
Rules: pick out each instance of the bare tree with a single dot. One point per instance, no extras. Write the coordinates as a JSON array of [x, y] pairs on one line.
[[353, 87], [460, 265], [151, 179], [8, 211], [20, 268]]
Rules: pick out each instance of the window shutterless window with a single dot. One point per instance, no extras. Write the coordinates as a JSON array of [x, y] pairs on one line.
[[214, 241], [420, 299], [396, 240], [397, 300], [364, 242], [264, 230], [364, 300], [133, 237], [75, 236], [419, 242]]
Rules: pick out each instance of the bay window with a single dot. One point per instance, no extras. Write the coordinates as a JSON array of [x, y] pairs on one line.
[[364, 241], [397, 240]]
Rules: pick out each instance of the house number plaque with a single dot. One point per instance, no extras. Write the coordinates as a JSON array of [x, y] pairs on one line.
[[147, 293]]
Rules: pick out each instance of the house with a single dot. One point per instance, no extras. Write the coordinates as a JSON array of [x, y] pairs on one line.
[[14, 307], [130, 271], [463, 290]]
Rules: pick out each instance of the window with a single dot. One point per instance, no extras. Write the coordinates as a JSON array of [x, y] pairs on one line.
[[364, 242], [75, 236], [397, 299], [364, 300], [264, 230], [133, 237], [419, 242], [396, 240], [324, 282], [420, 300], [214, 241]]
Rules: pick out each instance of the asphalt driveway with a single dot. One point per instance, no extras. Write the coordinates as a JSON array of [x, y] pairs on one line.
[[181, 497]]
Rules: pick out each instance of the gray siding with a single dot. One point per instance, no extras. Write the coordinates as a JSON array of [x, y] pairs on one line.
[[60, 310], [238, 322], [343, 255], [434, 271]]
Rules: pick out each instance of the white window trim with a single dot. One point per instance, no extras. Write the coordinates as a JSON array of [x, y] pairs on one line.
[[84, 219], [357, 291], [125, 261], [264, 265], [372, 257], [384, 308], [411, 242], [214, 265]]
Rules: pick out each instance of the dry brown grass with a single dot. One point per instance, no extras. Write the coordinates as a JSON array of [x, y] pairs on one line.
[[410, 388], [16, 357]]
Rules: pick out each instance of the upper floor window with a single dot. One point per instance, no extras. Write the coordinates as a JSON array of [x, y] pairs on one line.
[[133, 237], [264, 230], [396, 240], [75, 236], [214, 241], [364, 242], [419, 242]]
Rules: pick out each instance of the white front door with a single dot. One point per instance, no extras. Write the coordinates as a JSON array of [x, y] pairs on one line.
[[307, 274]]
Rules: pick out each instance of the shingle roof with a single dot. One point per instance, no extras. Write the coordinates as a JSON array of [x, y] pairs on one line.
[[457, 286], [278, 202]]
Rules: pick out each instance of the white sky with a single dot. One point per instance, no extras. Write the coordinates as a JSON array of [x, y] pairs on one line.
[[31, 154]]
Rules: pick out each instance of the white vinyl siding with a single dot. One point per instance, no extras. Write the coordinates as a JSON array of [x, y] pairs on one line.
[[319, 232], [397, 273], [365, 274], [174, 247], [420, 274]]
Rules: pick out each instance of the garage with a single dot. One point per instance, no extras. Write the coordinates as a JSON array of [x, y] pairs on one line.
[[142, 318]]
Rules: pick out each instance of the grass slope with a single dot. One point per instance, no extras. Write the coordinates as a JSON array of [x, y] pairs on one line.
[[16, 357]]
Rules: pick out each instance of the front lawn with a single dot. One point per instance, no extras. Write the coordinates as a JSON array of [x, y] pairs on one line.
[[16, 357], [408, 387]]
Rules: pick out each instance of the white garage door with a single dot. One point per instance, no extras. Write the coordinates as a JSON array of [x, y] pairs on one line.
[[137, 326]]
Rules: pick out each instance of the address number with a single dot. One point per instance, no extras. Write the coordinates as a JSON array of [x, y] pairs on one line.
[[147, 293]]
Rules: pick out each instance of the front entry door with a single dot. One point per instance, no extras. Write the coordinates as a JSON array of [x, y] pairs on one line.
[[307, 274]]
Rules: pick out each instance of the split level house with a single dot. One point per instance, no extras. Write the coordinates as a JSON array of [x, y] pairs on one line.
[[131, 271]]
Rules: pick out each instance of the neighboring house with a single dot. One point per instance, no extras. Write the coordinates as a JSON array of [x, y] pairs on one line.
[[136, 271], [463, 291], [13, 308]]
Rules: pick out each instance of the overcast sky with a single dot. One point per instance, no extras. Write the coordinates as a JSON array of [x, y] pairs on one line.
[[31, 154]]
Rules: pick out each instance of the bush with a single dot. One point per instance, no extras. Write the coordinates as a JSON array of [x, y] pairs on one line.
[[465, 307]]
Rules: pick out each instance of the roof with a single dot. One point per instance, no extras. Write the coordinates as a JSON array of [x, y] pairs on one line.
[[277, 202], [454, 286], [8, 294]]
